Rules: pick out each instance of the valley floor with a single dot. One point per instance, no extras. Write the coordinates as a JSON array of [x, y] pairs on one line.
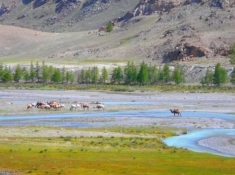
[[13, 103]]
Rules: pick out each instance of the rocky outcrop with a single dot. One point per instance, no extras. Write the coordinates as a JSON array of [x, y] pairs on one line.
[[185, 52], [148, 7], [222, 3], [93, 7]]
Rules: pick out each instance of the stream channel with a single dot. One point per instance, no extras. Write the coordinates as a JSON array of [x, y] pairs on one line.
[[188, 141]]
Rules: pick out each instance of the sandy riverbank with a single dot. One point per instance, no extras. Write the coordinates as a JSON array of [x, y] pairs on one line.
[[222, 144], [15, 101]]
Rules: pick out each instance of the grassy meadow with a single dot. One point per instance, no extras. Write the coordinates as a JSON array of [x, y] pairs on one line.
[[114, 155]]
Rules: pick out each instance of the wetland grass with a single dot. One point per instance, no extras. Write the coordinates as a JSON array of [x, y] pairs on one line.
[[112, 155]]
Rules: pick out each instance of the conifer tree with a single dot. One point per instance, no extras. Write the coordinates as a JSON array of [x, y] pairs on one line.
[[104, 75], [88, 76], [153, 74], [26, 75], [94, 75], [130, 73], [45, 72], [50, 72], [166, 72], [56, 77], [18, 73], [143, 76], [178, 75], [117, 75], [37, 71], [63, 74], [208, 78], [81, 76], [1, 70], [220, 75], [7, 75], [32, 72]]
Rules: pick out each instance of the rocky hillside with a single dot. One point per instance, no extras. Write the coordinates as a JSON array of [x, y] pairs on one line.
[[62, 15], [195, 33]]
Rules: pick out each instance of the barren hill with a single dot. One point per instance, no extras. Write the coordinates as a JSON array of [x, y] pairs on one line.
[[194, 33]]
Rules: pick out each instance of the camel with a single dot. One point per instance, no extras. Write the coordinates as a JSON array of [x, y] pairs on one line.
[[175, 111], [29, 106], [40, 103], [75, 106], [99, 106], [85, 105]]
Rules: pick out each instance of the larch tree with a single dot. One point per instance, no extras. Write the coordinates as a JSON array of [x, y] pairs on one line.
[[220, 75], [32, 72], [143, 75], [104, 75], [18, 73]]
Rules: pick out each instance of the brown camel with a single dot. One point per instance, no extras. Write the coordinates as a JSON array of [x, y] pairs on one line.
[[175, 111]]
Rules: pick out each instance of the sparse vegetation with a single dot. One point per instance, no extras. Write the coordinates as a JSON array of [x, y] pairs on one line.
[[109, 27]]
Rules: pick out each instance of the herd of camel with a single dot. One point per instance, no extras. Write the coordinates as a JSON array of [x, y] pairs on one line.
[[56, 105]]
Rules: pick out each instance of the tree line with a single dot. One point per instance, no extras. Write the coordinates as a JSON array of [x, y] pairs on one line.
[[41, 73], [130, 74]]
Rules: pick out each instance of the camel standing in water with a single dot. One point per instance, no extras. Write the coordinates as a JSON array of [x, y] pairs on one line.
[[175, 111]]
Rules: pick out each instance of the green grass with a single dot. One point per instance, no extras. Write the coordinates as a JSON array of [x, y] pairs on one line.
[[120, 88], [107, 155]]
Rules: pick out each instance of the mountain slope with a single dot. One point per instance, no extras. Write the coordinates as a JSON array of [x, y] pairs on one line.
[[194, 33]]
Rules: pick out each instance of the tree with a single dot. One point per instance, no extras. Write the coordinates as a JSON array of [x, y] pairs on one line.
[[153, 74], [56, 77], [143, 76], [88, 76], [26, 75], [104, 75], [1, 70], [232, 54], [178, 75], [50, 72], [32, 72], [63, 74], [45, 72], [208, 79], [94, 75], [69, 77], [130, 73], [220, 75], [164, 74], [7, 76], [109, 27], [18, 73], [232, 80], [81, 76], [117, 75], [37, 71]]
